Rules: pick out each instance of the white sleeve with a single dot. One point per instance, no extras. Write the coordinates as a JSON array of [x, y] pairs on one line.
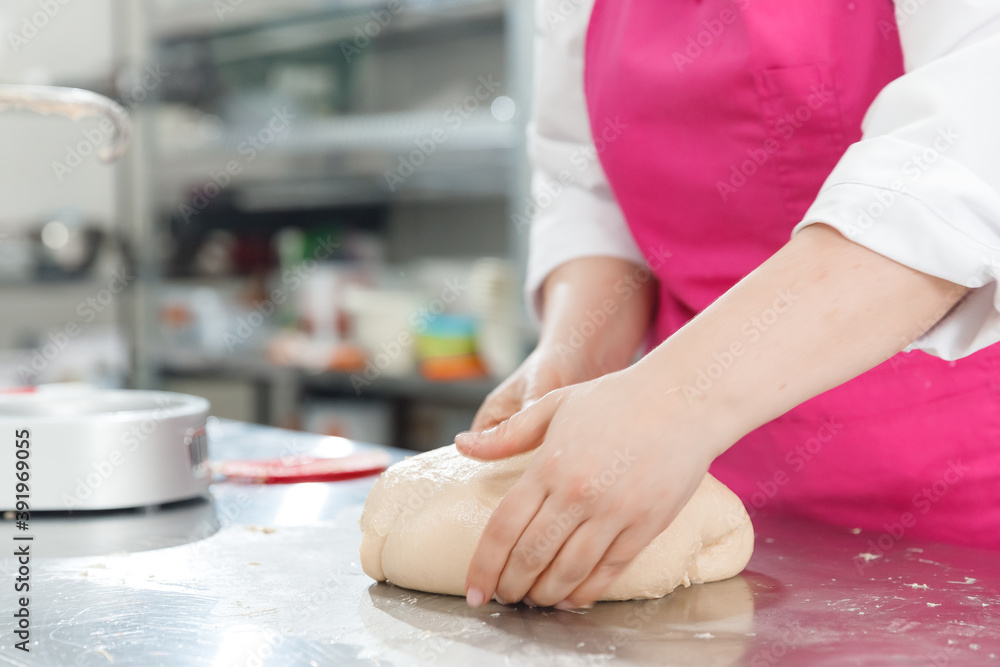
[[574, 212], [922, 187]]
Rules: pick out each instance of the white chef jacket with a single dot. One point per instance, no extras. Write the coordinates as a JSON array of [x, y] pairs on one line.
[[945, 111]]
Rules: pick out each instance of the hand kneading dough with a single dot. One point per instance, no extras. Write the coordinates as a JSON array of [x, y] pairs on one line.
[[424, 516]]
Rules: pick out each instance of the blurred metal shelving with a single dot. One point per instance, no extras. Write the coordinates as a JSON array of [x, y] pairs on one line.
[[296, 24], [345, 160], [339, 156]]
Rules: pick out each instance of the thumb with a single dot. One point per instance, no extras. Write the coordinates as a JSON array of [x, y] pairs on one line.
[[497, 407], [520, 432]]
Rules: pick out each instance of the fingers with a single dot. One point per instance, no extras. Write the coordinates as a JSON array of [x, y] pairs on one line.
[[577, 558], [504, 401], [540, 383], [523, 431], [502, 532], [619, 555], [536, 548]]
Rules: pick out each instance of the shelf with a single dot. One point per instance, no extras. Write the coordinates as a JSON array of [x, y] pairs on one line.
[[468, 393], [384, 133], [234, 65], [345, 160], [86, 285], [256, 28], [462, 393]]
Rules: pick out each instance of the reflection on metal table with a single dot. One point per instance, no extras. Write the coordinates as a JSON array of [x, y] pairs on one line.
[[275, 580]]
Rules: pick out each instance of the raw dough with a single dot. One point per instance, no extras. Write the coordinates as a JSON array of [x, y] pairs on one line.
[[424, 516]]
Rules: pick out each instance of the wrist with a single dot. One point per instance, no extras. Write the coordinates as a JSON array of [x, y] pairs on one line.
[[692, 399], [585, 343], [597, 311]]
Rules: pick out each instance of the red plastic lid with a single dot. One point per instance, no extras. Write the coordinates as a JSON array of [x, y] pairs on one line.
[[293, 469]]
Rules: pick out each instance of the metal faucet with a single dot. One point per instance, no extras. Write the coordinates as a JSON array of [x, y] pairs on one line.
[[74, 103]]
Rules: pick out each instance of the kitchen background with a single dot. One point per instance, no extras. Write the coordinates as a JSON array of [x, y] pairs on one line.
[[318, 223]]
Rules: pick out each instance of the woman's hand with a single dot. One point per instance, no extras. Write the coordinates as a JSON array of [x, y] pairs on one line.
[[596, 313], [618, 457], [544, 370]]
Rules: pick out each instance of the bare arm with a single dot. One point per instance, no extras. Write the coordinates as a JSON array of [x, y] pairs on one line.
[[596, 312], [838, 309], [819, 312]]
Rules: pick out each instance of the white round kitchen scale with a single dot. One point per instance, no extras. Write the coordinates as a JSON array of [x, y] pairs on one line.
[[102, 449], [107, 471]]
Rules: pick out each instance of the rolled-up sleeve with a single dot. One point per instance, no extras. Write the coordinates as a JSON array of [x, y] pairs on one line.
[[573, 211], [922, 187]]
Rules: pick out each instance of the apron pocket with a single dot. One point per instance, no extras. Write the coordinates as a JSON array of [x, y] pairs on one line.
[[805, 130]]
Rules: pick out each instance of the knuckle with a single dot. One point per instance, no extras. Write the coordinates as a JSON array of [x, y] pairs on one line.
[[613, 565], [526, 558], [502, 528], [498, 527], [572, 573], [577, 488], [507, 593], [615, 505], [545, 596]]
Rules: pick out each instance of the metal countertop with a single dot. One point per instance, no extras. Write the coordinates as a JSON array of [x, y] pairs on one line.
[[276, 581]]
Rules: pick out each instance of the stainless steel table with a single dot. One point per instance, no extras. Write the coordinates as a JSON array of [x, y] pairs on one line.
[[275, 581]]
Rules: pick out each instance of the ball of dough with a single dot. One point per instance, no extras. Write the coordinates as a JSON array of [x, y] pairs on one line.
[[424, 516]]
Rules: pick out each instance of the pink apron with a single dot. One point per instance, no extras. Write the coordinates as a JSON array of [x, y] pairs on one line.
[[729, 116]]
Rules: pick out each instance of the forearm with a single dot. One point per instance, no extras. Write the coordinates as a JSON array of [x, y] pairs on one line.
[[600, 308], [819, 312]]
